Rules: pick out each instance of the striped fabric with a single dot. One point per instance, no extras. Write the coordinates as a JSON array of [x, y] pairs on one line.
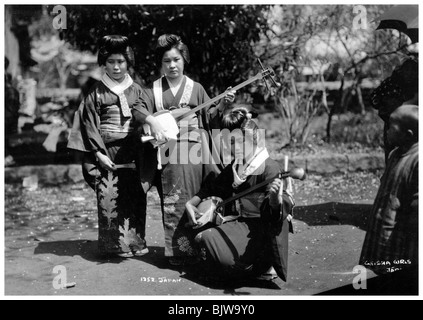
[[391, 240], [111, 119]]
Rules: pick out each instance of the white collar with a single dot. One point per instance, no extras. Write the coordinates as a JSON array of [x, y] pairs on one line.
[[249, 168], [158, 92], [114, 86], [118, 88]]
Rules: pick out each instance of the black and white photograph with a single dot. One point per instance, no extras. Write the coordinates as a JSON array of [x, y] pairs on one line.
[[200, 151]]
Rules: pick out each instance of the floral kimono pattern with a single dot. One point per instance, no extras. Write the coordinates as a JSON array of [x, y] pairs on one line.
[[100, 125]]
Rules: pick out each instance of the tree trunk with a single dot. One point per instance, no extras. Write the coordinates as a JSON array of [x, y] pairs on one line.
[[333, 109], [360, 99]]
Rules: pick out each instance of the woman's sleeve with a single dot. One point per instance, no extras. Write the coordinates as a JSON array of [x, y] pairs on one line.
[[144, 106], [211, 115], [85, 135], [280, 213], [219, 186], [214, 114]]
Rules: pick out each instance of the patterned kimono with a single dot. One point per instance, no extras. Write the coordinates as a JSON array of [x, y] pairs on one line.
[[100, 124], [391, 241], [255, 241], [180, 179]]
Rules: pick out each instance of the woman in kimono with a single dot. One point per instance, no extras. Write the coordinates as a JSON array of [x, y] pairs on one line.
[[173, 169], [255, 244], [103, 130]]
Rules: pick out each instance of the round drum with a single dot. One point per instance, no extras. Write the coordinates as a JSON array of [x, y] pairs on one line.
[[207, 209]]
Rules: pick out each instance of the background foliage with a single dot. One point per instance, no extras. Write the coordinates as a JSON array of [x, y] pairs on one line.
[[325, 65], [219, 37]]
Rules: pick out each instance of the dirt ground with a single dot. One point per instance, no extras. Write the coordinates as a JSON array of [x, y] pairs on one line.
[[52, 231]]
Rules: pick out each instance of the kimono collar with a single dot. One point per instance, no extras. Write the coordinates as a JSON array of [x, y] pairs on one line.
[[249, 168], [158, 92], [118, 89], [412, 149]]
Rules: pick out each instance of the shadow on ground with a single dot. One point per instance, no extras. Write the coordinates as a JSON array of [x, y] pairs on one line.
[[334, 213], [404, 282], [229, 286], [193, 273], [326, 214], [86, 249]]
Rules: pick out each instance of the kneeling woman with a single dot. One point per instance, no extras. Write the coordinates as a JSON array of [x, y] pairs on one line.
[[256, 243]]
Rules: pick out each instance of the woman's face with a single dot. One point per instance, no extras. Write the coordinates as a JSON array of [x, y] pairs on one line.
[[173, 64], [237, 147], [242, 145], [116, 67]]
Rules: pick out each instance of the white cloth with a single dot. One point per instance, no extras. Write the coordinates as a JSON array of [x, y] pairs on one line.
[[118, 88], [244, 171], [186, 95], [158, 94]]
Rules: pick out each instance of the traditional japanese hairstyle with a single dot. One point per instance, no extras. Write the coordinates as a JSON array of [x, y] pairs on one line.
[[238, 118], [241, 118], [115, 44], [167, 42]]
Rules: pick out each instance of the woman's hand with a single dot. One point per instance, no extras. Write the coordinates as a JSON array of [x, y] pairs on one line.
[[105, 162], [191, 207], [227, 100], [275, 197], [157, 130], [230, 95]]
